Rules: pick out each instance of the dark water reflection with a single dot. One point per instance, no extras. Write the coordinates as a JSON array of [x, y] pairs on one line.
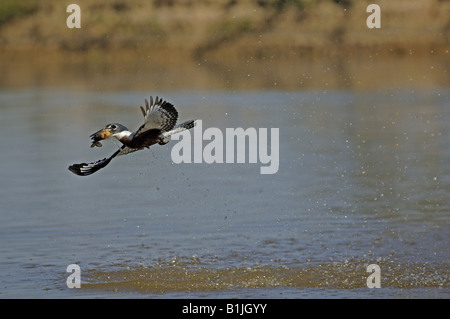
[[364, 178]]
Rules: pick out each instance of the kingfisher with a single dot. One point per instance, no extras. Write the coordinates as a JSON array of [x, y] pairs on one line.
[[160, 118]]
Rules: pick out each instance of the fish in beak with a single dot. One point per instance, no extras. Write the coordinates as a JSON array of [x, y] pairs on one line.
[[102, 134]]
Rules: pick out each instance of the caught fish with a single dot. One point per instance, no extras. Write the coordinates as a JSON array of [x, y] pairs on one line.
[[96, 143], [98, 136]]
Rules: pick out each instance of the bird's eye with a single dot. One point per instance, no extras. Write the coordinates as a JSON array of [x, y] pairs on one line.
[[113, 126]]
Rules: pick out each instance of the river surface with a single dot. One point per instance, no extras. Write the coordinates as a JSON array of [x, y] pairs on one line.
[[363, 178]]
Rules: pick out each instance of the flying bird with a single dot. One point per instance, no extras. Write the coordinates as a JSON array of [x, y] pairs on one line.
[[160, 118]]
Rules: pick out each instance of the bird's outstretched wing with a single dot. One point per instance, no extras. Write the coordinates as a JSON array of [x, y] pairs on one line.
[[85, 169], [158, 114]]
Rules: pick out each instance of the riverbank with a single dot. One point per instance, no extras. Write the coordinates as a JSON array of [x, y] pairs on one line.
[[225, 44], [228, 29]]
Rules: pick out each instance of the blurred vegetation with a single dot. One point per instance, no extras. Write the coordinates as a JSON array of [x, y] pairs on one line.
[[14, 9], [280, 5]]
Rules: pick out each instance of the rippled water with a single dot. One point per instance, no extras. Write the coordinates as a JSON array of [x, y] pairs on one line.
[[363, 179]]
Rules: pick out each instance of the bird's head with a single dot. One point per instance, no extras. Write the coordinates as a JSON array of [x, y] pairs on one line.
[[114, 129]]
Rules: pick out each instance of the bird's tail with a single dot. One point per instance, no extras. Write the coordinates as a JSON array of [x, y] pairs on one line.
[[180, 128]]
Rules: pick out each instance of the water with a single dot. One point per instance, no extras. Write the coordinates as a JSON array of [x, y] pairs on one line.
[[363, 179]]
